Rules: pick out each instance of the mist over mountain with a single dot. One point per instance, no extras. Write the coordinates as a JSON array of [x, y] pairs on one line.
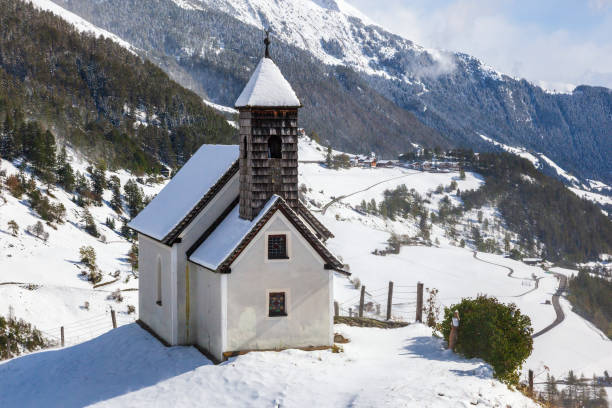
[[363, 87]]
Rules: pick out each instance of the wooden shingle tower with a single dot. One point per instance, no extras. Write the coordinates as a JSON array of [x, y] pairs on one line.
[[268, 109]]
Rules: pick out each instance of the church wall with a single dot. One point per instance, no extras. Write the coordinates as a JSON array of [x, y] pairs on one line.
[[308, 288], [151, 256], [208, 290], [185, 277]]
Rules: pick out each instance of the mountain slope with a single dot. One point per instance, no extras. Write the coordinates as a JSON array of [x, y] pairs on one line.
[[207, 45], [95, 94]]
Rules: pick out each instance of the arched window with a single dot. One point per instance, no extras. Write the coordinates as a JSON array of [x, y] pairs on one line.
[[159, 283], [244, 147], [275, 147]]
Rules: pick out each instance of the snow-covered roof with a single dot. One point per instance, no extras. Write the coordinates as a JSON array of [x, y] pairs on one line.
[[218, 249], [267, 88], [227, 236], [185, 190]]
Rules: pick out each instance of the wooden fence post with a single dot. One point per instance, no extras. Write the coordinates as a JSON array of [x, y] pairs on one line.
[[336, 309], [531, 383], [350, 312], [62, 336], [114, 318], [389, 300], [419, 305], [378, 309], [361, 300]]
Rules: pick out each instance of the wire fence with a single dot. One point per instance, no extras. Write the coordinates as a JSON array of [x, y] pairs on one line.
[[86, 329], [404, 300]]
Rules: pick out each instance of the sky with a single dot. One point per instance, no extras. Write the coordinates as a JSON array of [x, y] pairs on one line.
[[557, 44]]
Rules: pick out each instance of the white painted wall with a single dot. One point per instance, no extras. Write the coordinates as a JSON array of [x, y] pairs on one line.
[[306, 283], [208, 327], [185, 278], [150, 254], [230, 312]]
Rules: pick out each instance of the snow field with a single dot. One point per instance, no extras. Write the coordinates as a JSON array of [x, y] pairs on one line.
[[58, 292], [127, 367], [574, 344]]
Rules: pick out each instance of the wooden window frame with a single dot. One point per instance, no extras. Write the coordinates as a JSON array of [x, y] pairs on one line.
[[284, 293], [269, 249]]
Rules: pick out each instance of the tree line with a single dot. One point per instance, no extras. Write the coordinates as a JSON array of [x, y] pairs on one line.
[[540, 209], [103, 99], [591, 296]]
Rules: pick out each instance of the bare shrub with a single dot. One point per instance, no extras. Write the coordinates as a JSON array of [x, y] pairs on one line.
[[116, 296]]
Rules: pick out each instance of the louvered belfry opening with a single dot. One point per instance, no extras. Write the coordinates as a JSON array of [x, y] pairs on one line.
[[263, 172]]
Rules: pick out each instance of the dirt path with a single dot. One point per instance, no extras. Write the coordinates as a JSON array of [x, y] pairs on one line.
[[338, 199]]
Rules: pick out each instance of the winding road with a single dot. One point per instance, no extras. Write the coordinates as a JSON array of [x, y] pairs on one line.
[[511, 271], [555, 299]]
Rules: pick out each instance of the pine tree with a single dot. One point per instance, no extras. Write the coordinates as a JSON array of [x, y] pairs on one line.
[[329, 158], [133, 197], [89, 224], [13, 227], [116, 203], [507, 243], [98, 178], [6, 139], [64, 172], [424, 227], [551, 389]]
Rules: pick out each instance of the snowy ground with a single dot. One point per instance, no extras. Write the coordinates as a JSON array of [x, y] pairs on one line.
[[127, 367], [377, 368], [573, 345], [54, 267]]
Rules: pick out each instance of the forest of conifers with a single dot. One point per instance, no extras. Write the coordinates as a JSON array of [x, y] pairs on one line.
[[91, 92], [541, 208]]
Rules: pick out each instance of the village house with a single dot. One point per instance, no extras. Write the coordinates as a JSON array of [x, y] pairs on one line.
[[229, 259]]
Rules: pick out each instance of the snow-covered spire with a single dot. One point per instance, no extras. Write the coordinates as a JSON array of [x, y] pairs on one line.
[[267, 86]]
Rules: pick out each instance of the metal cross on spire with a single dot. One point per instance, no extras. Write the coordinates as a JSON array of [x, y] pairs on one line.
[[267, 42]]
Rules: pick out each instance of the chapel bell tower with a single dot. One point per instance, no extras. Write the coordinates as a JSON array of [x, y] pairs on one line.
[[268, 109]]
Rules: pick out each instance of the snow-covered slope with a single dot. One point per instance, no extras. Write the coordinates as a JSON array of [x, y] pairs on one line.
[[591, 190], [129, 368], [322, 27], [377, 367], [42, 282], [456, 272], [79, 23]]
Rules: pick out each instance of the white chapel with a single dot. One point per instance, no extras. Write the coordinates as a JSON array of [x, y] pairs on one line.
[[230, 260]]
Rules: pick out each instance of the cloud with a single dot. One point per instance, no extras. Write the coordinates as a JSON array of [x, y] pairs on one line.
[[600, 4], [535, 46]]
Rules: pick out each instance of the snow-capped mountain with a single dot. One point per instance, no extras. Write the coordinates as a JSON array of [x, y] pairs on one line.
[[325, 28], [388, 91]]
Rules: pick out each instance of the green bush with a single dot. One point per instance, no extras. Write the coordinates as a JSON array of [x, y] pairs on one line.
[[493, 331], [20, 336]]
